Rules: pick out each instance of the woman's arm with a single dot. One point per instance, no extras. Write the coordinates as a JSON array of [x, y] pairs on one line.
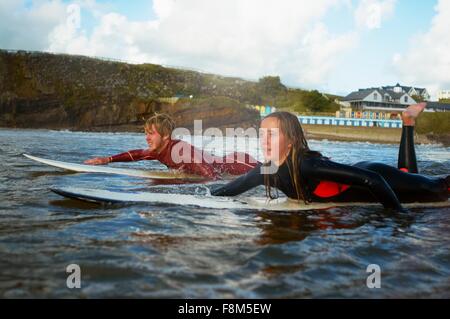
[[241, 184], [326, 170], [130, 156]]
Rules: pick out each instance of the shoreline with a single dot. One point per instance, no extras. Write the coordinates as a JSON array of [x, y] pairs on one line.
[[372, 135], [313, 132]]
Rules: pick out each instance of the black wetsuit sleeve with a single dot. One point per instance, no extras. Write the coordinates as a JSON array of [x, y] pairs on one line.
[[326, 170], [241, 184]]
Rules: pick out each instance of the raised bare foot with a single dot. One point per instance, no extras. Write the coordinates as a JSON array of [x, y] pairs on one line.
[[411, 113]]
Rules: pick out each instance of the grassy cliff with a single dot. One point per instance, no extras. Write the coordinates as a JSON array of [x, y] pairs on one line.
[[43, 90], [435, 126]]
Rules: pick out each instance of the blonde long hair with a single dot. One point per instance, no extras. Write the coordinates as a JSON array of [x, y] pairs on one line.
[[290, 126]]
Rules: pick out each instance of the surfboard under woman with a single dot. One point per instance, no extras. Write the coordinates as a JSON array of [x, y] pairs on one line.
[[311, 177]]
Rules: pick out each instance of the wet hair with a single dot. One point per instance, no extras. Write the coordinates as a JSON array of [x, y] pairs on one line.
[[291, 128], [164, 124]]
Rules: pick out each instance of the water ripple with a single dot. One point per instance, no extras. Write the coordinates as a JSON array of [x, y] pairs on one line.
[[169, 251]]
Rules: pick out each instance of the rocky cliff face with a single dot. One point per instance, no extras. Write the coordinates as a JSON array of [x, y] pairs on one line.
[[41, 90]]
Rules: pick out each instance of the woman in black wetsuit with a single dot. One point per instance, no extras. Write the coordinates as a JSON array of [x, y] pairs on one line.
[[307, 175]]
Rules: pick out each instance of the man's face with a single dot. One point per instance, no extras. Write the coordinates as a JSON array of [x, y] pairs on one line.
[[154, 140]]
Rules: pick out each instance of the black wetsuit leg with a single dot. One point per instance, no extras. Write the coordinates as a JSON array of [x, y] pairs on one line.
[[410, 187], [407, 153]]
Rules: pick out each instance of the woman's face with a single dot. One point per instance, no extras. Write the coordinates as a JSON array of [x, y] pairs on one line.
[[274, 143]]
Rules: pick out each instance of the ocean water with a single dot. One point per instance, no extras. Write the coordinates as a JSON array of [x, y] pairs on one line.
[[168, 251]]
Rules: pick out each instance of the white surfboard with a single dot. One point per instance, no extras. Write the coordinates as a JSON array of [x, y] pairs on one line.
[[214, 202], [120, 171]]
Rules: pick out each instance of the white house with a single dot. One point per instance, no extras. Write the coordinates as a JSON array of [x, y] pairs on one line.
[[410, 90], [444, 94], [378, 99]]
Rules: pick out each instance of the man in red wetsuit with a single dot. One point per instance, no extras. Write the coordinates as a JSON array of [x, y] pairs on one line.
[[177, 154]]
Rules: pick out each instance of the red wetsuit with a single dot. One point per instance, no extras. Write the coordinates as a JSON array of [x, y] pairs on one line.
[[186, 157]]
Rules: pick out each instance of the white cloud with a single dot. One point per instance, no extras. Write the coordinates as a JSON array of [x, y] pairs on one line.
[[245, 38], [26, 28], [427, 60], [317, 56], [163, 8], [370, 13], [112, 37]]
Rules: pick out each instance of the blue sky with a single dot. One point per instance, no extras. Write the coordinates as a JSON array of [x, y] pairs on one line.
[[139, 10], [371, 63], [332, 45]]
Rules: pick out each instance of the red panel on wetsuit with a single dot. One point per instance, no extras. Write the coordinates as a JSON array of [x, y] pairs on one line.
[[329, 189], [404, 170]]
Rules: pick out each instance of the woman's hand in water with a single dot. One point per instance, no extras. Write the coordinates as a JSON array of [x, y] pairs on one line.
[[98, 161]]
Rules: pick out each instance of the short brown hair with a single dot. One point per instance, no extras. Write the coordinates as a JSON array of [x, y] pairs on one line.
[[164, 124]]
